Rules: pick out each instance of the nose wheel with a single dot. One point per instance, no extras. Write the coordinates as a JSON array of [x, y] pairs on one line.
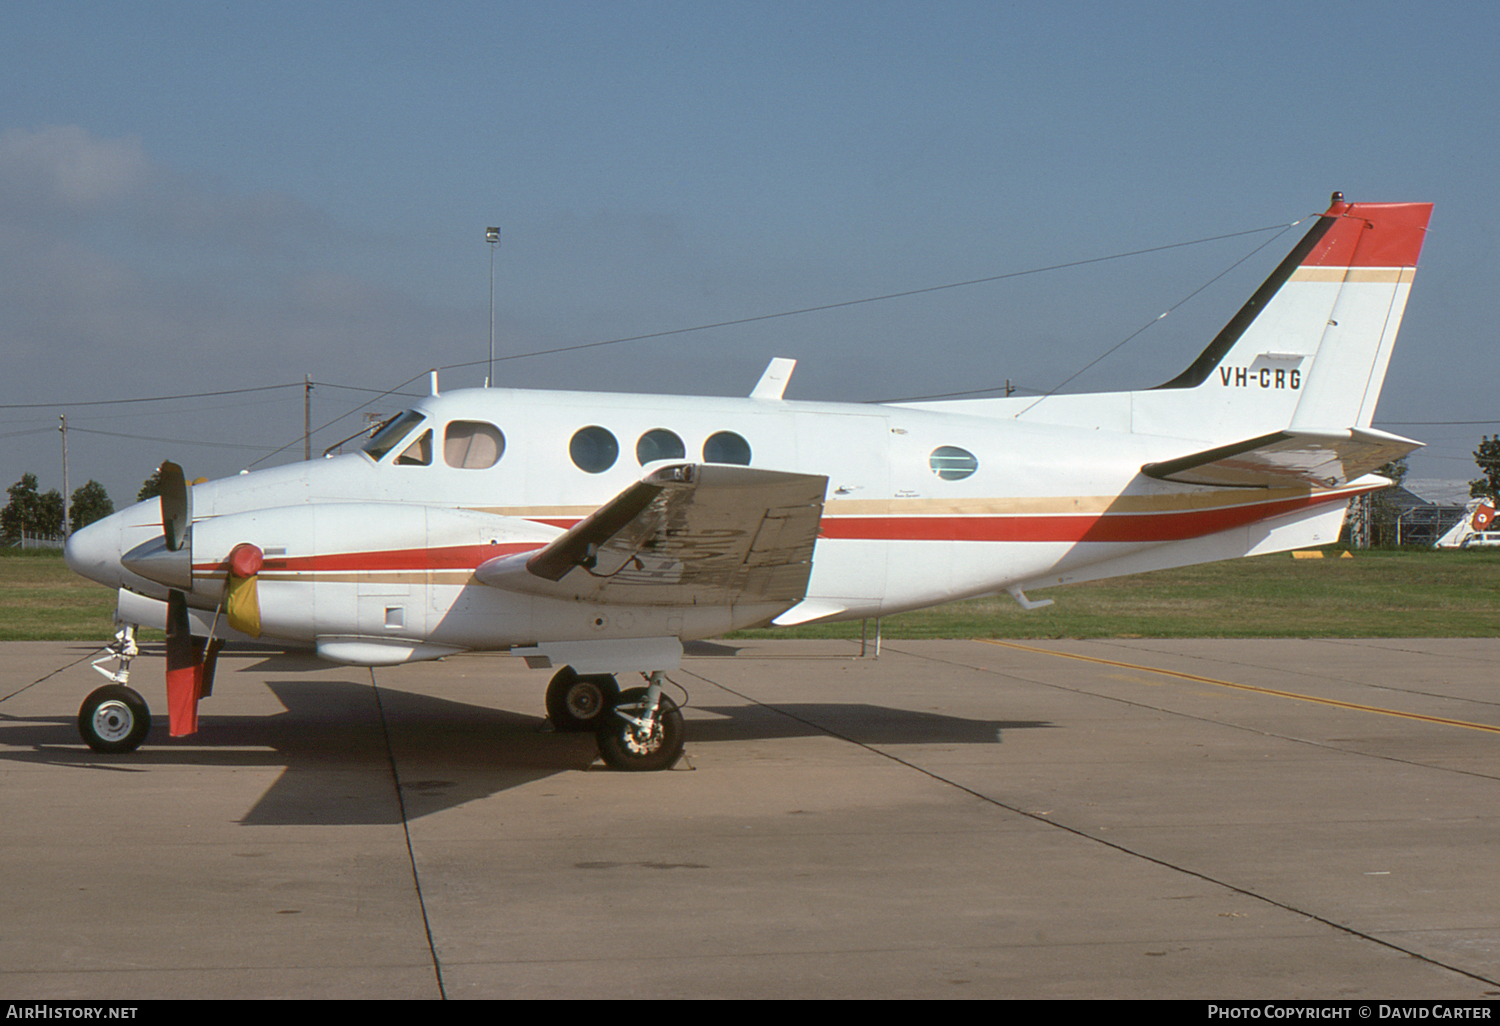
[[114, 718]]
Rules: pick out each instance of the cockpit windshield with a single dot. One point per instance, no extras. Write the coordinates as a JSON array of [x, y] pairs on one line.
[[390, 433]]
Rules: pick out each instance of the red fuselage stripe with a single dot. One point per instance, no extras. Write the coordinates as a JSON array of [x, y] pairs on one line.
[[453, 557], [1106, 527]]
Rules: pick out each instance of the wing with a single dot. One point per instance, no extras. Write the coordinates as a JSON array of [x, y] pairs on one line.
[[1321, 459], [685, 534]]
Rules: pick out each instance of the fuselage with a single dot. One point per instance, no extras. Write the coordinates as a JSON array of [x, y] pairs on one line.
[[922, 507]]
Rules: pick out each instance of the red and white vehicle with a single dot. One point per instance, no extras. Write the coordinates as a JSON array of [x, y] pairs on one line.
[[1474, 531], [596, 532]]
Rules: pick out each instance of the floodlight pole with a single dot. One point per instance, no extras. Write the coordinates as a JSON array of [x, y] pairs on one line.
[[492, 236]]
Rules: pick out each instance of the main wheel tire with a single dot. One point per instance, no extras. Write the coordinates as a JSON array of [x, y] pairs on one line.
[[580, 701], [114, 718], [625, 746]]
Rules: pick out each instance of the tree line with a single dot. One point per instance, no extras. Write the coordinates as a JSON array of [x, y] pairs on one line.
[[36, 514]]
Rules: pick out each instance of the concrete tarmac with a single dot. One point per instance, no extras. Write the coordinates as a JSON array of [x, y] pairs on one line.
[[1063, 819]]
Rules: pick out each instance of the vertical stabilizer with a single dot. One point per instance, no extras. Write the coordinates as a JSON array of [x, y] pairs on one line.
[[1309, 350], [1366, 261]]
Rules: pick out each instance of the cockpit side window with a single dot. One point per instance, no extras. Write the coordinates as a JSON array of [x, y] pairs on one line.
[[418, 453], [472, 444], [391, 432]]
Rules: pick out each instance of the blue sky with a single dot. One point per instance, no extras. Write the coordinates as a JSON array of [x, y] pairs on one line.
[[198, 197]]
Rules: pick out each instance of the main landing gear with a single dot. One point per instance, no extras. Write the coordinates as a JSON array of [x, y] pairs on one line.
[[115, 718], [578, 702], [638, 729]]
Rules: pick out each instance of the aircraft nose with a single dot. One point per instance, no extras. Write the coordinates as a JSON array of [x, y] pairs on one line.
[[94, 552]]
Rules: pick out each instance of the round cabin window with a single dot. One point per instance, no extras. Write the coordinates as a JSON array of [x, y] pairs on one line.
[[594, 449], [658, 444], [726, 447]]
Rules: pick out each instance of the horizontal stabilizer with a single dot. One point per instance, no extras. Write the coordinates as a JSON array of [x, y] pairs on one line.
[[1287, 459], [685, 534]]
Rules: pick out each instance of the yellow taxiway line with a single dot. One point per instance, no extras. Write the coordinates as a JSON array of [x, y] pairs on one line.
[[1248, 687]]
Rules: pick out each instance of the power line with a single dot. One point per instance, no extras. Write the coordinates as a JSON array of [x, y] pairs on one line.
[[378, 394], [1112, 349], [350, 413], [874, 299], [145, 399], [171, 441]]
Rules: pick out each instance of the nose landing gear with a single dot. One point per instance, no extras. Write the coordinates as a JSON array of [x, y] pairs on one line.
[[115, 718]]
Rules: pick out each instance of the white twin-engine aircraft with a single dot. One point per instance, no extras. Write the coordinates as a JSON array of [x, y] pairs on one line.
[[595, 533]]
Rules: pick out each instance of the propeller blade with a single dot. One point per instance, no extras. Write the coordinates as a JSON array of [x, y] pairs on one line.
[[210, 664], [184, 667], [176, 507]]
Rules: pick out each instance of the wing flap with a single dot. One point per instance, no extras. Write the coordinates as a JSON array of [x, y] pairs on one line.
[[1282, 459], [684, 534]]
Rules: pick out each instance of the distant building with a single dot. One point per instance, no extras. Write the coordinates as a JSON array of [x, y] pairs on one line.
[[1401, 517]]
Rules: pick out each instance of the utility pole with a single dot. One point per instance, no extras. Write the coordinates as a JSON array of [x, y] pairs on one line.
[[492, 236], [67, 495], [306, 416]]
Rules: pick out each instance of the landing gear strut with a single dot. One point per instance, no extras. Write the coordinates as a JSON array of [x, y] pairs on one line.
[[645, 732]]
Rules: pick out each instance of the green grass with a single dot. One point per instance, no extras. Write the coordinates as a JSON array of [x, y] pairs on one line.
[[42, 600], [1377, 593]]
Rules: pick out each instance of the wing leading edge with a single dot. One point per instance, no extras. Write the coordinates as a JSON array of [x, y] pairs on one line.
[[1319, 459], [685, 534]]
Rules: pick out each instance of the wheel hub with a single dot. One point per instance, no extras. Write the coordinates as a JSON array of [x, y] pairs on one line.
[[584, 700], [113, 720], [643, 742]]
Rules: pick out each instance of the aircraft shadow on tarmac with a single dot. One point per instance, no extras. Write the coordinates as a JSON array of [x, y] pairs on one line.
[[339, 742]]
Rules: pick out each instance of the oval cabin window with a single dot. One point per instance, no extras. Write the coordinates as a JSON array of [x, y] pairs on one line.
[[951, 463]]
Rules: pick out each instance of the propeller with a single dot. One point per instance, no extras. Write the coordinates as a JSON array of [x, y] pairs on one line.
[[169, 560]]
